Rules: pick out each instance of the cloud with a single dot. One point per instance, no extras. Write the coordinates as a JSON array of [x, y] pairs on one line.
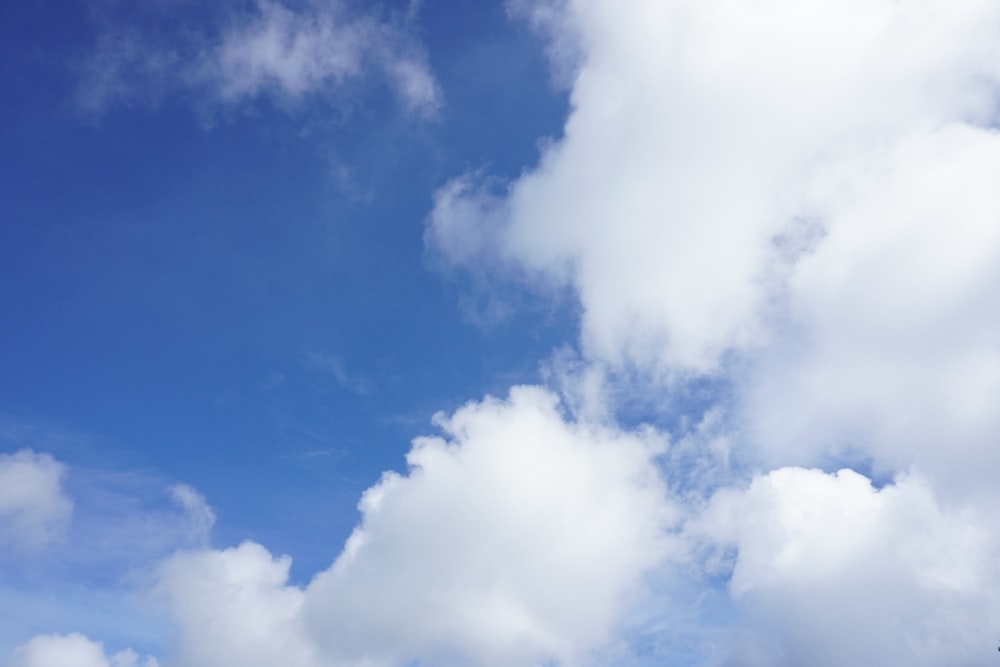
[[831, 571], [796, 200], [87, 574], [233, 607], [696, 132], [265, 49], [894, 356], [34, 506], [517, 538], [335, 365], [72, 650], [200, 516]]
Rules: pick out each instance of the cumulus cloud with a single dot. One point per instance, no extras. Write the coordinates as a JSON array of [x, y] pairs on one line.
[[797, 199], [695, 133], [515, 539], [802, 192], [896, 349], [266, 49], [34, 506], [832, 571], [234, 607], [72, 650]]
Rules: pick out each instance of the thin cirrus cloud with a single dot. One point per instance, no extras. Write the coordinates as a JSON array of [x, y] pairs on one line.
[[336, 366], [263, 50]]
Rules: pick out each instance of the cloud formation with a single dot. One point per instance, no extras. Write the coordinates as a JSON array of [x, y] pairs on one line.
[[198, 514], [517, 538], [685, 184], [831, 571], [34, 506], [801, 191], [797, 199], [265, 49]]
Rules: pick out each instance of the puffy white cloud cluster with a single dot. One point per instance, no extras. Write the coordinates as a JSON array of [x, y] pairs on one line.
[[691, 170], [265, 48], [34, 506], [799, 198], [895, 346], [517, 539], [831, 571]]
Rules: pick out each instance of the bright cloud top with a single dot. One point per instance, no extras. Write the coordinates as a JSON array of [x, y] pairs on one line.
[[34, 506], [318, 48], [519, 539]]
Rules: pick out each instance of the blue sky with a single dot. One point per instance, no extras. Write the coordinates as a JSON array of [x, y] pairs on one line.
[[172, 288], [536, 332]]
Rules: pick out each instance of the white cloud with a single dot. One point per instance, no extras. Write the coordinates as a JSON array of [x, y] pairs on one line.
[[519, 539], [797, 197], [515, 540], [267, 48], [696, 129], [895, 350], [34, 506], [234, 608], [291, 52], [831, 571], [72, 650]]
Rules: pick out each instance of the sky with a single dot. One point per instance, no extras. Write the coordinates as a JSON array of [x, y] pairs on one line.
[[538, 333]]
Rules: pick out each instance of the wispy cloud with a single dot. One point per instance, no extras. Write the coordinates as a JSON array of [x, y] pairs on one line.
[[200, 516], [265, 49], [336, 366]]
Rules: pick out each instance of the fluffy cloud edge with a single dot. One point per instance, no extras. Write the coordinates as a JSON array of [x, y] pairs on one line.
[[35, 507], [72, 650]]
